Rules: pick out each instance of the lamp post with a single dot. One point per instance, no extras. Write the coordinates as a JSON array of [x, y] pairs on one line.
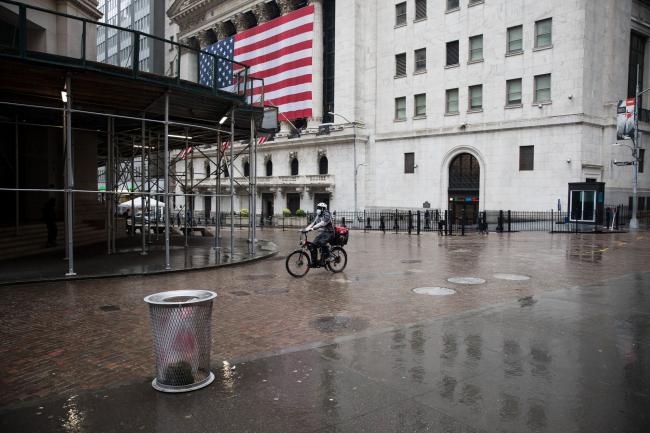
[[354, 154]]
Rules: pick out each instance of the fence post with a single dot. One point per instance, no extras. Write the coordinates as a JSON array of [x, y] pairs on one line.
[[509, 221], [462, 222], [410, 223], [283, 222], [500, 222], [364, 219], [418, 223], [382, 224], [446, 222], [396, 224], [343, 221]]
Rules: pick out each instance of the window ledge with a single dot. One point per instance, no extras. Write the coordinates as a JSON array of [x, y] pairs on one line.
[[421, 116], [448, 11], [399, 76], [452, 66], [511, 106], [420, 72], [526, 169], [397, 26], [538, 103], [514, 53], [475, 4], [475, 110], [472, 62], [399, 120], [547, 47], [419, 20], [457, 113]]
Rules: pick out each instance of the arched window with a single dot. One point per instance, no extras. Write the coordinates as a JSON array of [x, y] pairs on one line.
[[269, 168], [247, 169], [294, 167], [322, 165], [464, 173]]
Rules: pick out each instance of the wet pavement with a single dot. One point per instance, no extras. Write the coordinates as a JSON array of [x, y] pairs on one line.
[[567, 350], [92, 261]]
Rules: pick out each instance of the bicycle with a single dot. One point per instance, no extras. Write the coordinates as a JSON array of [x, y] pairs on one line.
[[299, 262]]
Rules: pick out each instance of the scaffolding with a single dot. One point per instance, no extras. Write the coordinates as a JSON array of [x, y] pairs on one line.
[[138, 121]]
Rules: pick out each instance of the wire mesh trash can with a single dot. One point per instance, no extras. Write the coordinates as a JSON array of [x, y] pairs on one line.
[[181, 324]]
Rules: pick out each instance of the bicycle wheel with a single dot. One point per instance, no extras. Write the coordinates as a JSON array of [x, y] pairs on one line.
[[340, 260], [297, 264]]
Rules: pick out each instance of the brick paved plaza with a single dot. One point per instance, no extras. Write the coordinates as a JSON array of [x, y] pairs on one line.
[[586, 303]]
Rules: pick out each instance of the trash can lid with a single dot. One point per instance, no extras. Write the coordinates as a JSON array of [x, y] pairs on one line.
[[180, 297]]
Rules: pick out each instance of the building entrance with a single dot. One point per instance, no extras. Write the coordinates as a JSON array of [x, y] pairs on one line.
[[267, 205], [463, 192]]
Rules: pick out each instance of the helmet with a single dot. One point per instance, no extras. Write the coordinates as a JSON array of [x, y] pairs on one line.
[[321, 205]]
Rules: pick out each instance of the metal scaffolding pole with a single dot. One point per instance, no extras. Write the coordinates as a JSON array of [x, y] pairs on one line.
[[187, 214], [231, 174], [215, 193], [69, 179], [114, 162], [108, 175], [142, 180], [166, 156], [131, 187], [253, 175], [17, 170], [251, 197]]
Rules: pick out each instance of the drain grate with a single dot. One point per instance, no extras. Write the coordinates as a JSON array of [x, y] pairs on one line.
[[109, 308], [339, 323]]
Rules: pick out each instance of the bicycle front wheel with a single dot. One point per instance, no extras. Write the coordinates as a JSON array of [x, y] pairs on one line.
[[339, 261], [297, 264]]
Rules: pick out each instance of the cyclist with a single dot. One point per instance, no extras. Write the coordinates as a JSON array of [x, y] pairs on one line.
[[323, 221]]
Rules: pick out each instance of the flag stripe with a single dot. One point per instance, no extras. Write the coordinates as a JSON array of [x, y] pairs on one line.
[[279, 70], [281, 61], [304, 97], [295, 114], [268, 57], [280, 85], [241, 50], [278, 25], [281, 93]]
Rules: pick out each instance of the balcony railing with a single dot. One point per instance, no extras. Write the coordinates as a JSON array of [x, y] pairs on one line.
[[122, 55], [279, 181]]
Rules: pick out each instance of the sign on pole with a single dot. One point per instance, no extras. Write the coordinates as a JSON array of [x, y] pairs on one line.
[[625, 119]]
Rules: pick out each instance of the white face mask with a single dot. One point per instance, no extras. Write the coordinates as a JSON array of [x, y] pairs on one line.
[[319, 211]]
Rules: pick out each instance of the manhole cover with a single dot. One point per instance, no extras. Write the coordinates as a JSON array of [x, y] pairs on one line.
[[512, 277], [411, 261], [239, 293], [466, 280], [434, 291], [109, 308], [339, 323], [271, 291]]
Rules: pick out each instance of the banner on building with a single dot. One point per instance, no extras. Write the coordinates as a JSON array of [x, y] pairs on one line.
[[279, 51], [625, 119]]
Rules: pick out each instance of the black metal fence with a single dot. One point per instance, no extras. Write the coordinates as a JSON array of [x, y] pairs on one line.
[[445, 222]]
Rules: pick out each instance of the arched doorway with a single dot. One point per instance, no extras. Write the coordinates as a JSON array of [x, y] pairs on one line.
[[464, 184]]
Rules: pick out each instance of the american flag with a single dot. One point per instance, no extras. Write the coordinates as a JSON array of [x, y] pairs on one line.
[[185, 152], [280, 52]]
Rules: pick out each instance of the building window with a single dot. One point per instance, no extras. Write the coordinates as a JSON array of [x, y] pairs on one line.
[[294, 167], [322, 165], [409, 162], [451, 104], [476, 48], [400, 14], [420, 60], [247, 169], [452, 5], [637, 57], [476, 98], [513, 92], [475, 2], [420, 9], [543, 88], [526, 158], [400, 108], [224, 170], [515, 40], [543, 33], [269, 168], [452, 53], [420, 105], [400, 65], [641, 158]]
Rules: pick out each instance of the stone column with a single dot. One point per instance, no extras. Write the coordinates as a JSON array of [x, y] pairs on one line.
[[262, 12], [220, 31], [317, 66], [241, 22], [204, 39], [189, 60], [286, 6]]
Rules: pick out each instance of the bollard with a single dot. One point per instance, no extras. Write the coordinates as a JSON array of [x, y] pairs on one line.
[[446, 227], [396, 224], [500, 222], [418, 223], [410, 222]]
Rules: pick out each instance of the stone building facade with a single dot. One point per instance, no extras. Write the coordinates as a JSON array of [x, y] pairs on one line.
[[473, 104]]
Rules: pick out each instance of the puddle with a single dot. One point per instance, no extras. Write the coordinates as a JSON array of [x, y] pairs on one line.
[[434, 291], [339, 323]]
